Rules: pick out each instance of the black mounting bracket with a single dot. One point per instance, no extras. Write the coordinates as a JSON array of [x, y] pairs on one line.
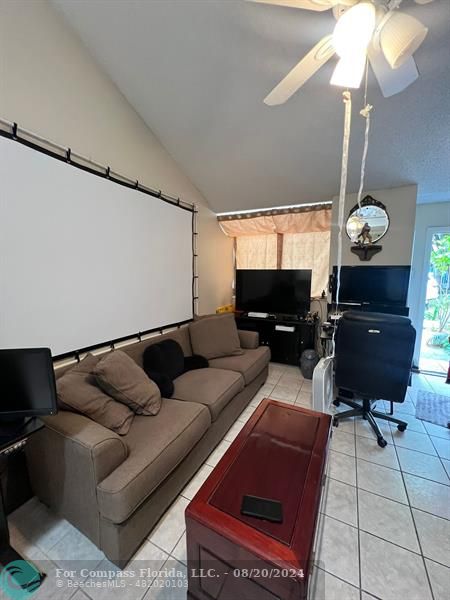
[[367, 251]]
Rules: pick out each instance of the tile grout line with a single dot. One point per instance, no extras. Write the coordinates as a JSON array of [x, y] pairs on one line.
[[393, 499], [437, 452], [374, 535], [316, 566], [430, 437], [396, 471], [416, 532], [440, 437], [357, 519], [147, 592], [392, 445], [159, 547], [46, 551], [379, 537]]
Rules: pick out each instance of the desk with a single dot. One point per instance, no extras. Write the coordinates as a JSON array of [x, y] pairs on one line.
[[13, 438]]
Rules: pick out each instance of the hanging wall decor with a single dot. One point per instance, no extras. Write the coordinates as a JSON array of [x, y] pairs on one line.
[[367, 223]]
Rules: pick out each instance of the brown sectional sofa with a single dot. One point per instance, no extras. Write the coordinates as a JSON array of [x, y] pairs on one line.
[[115, 488]]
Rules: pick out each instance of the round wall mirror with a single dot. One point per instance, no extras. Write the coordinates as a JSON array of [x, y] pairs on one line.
[[368, 224]]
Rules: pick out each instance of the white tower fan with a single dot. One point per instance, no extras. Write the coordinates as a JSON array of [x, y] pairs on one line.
[[322, 385]]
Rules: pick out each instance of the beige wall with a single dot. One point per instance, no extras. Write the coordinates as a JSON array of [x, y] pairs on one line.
[[397, 243], [50, 85]]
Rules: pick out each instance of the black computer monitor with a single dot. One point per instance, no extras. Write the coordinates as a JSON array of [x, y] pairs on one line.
[[382, 285], [27, 383]]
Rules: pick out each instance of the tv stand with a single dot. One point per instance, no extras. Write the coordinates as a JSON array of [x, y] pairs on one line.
[[286, 336]]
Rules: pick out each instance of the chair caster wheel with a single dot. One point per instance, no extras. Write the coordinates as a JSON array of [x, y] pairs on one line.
[[382, 442], [335, 422], [336, 403], [401, 427]]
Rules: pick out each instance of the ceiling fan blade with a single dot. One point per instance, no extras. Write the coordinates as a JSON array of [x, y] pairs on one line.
[[392, 81], [305, 69], [423, 1], [317, 5]]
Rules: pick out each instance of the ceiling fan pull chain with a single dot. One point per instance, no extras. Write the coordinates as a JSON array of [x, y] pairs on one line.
[[364, 112], [347, 99]]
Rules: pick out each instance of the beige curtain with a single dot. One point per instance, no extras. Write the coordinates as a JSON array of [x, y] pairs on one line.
[[308, 251], [303, 238], [304, 222], [286, 222], [254, 226], [256, 251]]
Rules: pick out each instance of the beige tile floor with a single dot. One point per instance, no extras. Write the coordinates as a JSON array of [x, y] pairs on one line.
[[384, 532]]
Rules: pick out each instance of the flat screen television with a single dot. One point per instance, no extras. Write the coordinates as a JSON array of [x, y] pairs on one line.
[[284, 292], [387, 285], [28, 383]]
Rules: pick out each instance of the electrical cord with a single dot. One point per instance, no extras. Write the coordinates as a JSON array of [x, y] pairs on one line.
[[364, 112], [347, 99]]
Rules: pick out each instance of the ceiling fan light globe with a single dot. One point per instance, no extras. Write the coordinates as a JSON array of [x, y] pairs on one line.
[[354, 29], [349, 71], [400, 37]]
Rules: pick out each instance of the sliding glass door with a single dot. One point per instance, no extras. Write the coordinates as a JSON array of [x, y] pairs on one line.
[[435, 332]]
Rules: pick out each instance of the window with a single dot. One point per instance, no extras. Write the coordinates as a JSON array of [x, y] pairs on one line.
[[284, 239], [256, 251], [308, 251]]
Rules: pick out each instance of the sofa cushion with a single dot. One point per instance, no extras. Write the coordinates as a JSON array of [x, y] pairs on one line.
[[78, 392], [181, 335], [248, 339], [155, 447], [250, 364], [212, 387], [120, 377], [216, 336]]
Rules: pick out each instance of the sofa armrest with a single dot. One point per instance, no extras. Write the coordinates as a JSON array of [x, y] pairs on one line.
[[101, 446], [67, 459], [249, 339]]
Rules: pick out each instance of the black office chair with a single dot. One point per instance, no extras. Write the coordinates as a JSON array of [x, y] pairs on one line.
[[373, 362]]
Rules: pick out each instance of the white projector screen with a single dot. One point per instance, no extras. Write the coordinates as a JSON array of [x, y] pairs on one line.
[[85, 260]]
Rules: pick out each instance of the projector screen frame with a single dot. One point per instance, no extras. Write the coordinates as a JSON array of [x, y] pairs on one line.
[[12, 131]]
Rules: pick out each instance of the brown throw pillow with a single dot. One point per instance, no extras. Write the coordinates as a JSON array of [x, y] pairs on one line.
[[120, 377], [215, 336], [77, 391]]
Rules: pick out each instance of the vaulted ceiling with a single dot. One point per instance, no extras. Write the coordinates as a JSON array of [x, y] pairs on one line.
[[197, 72]]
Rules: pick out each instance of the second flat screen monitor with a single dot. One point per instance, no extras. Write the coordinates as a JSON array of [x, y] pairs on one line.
[[287, 291]]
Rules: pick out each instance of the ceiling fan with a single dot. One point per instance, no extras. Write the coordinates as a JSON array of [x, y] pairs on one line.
[[373, 29]]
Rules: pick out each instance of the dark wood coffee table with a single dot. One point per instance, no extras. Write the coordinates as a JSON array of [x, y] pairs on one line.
[[279, 454]]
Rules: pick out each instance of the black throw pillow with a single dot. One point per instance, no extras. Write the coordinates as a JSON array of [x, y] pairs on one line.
[[164, 383], [165, 357], [195, 362]]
